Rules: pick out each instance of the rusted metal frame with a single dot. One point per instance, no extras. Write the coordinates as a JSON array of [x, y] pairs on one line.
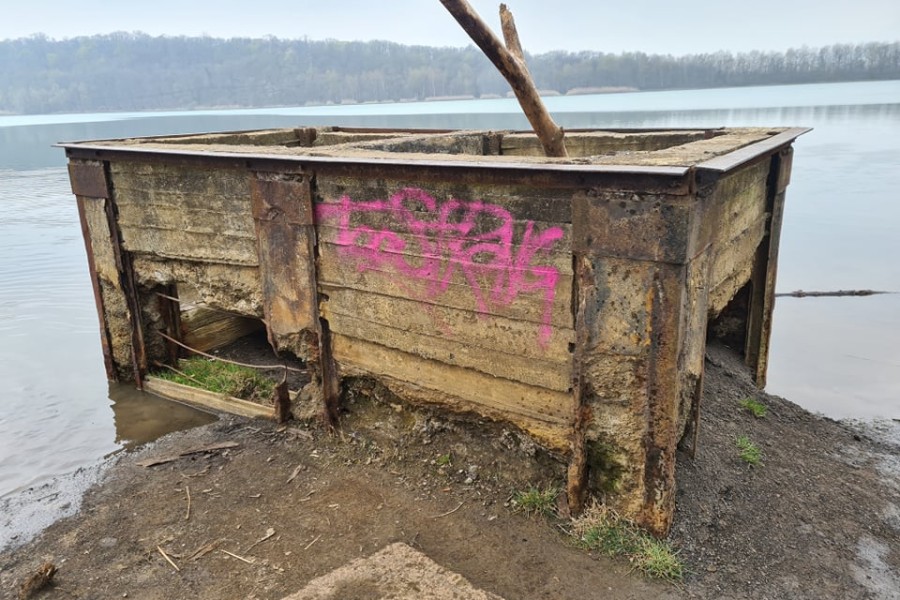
[[125, 267], [277, 207], [671, 182], [660, 439], [741, 156], [170, 309], [762, 294], [695, 410], [577, 472], [105, 342], [102, 152], [330, 373], [697, 399], [93, 180]]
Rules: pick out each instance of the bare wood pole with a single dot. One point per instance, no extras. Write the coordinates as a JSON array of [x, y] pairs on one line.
[[510, 61]]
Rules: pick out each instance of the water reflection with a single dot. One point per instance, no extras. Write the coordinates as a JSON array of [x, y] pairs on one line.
[[141, 417]]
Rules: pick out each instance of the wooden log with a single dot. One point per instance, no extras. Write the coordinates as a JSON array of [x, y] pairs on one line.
[[510, 61]]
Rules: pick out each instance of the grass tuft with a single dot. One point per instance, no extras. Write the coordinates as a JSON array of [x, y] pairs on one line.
[[602, 530], [749, 452], [222, 378], [756, 408], [535, 501]]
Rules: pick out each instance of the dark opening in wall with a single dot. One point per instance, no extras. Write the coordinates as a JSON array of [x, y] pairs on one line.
[[730, 326]]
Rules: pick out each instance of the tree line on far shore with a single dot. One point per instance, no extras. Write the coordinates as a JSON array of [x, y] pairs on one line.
[[135, 71]]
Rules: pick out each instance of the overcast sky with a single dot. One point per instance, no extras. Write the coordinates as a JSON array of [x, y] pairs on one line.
[[653, 26]]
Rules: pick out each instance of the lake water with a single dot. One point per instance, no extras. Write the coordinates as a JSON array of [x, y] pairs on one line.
[[837, 356]]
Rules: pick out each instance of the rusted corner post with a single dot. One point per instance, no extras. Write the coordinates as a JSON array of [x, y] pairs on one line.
[[510, 61], [91, 184], [105, 342], [577, 476], [286, 242], [762, 299]]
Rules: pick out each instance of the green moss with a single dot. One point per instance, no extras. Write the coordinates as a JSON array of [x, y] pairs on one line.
[[606, 467], [222, 378]]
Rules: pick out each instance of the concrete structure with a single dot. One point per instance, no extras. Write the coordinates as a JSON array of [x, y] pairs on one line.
[[567, 297]]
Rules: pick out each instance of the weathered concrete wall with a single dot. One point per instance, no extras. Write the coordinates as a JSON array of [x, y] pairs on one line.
[[456, 285], [453, 290]]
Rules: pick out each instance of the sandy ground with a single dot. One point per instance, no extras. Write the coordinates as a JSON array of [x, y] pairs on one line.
[[287, 506]]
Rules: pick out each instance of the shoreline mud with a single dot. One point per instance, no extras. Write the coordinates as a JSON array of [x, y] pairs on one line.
[[817, 518]]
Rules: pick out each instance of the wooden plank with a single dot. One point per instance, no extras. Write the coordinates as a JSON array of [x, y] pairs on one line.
[[491, 333], [337, 271], [545, 413], [512, 367], [206, 399], [206, 330], [176, 211]]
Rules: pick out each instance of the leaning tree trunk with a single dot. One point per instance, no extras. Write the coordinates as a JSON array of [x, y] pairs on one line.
[[510, 61]]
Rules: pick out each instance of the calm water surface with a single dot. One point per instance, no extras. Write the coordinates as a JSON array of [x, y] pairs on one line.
[[836, 356]]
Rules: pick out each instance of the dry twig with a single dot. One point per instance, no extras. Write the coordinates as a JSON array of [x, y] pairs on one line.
[[269, 533], [204, 550], [449, 512], [297, 470], [309, 545], [168, 560], [232, 554]]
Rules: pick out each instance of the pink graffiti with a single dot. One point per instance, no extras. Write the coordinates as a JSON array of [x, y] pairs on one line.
[[472, 237]]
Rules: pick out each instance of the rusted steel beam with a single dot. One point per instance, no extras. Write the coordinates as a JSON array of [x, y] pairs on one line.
[[91, 151], [170, 310], [98, 296], [127, 282], [287, 243], [762, 299], [577, 475], [331, 386], [758, 150], [282, 211], [662, 400]]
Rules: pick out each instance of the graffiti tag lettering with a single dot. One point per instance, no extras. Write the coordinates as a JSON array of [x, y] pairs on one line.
[[430, 242]]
